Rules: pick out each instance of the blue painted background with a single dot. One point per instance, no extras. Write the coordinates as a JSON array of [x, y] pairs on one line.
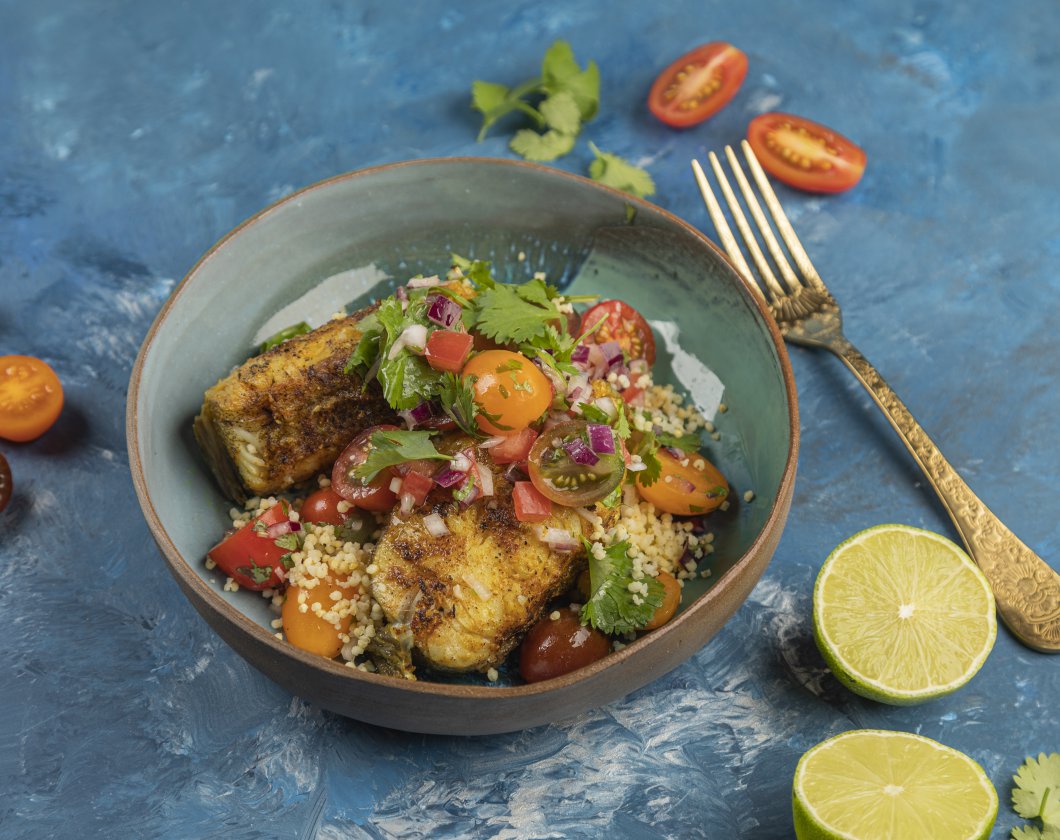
[[134, 134]]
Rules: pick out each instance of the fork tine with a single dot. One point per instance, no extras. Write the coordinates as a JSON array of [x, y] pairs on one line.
[[728, 241], [745, 230], [763, 224], [802, 260]]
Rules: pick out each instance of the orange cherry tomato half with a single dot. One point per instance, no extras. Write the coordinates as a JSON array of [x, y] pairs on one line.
[[308, 631], [510, 391], [31, 398], [804, 154], [624, 324], [685, 487], [671, 601], [698, 85]]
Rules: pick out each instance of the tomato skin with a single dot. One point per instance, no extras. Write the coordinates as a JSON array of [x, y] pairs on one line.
[[716, 69], [671, 601], [31, 398], [682, 489], [323, 506], [509, 388], [6, 484], [515, 448], [557, 477], [804, 154], [553, 648], [448, 350], [624, 324], [417, 485], [530, 505], [309, 632], [377, 495], [238, 553]]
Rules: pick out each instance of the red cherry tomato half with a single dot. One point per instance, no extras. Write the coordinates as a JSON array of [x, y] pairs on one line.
[[323, 506], [554, 647], [624, 324], [373, 496], [246, 555], [805, 154], [698, 85]]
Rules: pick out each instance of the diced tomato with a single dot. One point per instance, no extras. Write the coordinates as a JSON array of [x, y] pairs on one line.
[[624, 324], [448, 350], [515, 448], [246, 555], [417, 486], [631, 393], [530, 505]]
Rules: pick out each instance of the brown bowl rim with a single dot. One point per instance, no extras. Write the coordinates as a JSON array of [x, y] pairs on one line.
[[181, 567]]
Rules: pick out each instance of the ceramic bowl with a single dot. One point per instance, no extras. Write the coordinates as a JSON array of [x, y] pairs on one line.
[[374, 229]]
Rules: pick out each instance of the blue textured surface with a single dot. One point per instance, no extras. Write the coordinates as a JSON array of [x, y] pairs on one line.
[[133, 135]]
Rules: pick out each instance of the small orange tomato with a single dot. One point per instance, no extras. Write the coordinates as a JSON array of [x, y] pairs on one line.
[[508, 388], [685, 487], [307, 631], [31, 398], [671, 600]]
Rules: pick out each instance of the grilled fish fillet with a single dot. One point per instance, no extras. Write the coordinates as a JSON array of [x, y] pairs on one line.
[[459, 594], [285, 415]]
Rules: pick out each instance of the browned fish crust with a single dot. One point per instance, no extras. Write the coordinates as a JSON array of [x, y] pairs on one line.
[[285, 415]]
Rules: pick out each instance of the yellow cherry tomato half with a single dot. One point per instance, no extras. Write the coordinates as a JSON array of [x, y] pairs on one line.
[[308, 631], [671, 601], [685, 487], [508, 388]]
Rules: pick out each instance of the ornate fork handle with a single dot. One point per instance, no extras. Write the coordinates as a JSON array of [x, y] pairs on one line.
[[1027, 590]]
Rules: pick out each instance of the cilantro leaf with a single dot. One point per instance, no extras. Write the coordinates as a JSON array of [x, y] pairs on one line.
[[611, 607], [515, 314], [1032, 832], [541, 147], [686, 443], [301, 328], [292, 542], [496, 101], [479, 272], [367, 349], [459, 403], [646, 449], [260, 574], [622, 422], [560, 73], [561, 113], [392, 447], [1036, 794], [619, 173]]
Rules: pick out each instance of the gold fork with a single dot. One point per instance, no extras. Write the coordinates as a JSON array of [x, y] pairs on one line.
[[1026, 589]]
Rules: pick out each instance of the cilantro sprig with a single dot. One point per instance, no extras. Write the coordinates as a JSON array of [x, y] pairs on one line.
[[558, 102], [395, 446], [458, 401], [278, 338], [612, 608], [1036, 796], [619, 173]]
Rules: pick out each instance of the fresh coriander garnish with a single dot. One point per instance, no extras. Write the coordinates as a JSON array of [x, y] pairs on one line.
[[612, 608], [1036, 796], [514, 314], [392, 447], [458, 402], [301, 328], [292, 542], [619, 173]]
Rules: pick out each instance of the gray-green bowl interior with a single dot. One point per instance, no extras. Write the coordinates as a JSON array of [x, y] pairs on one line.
[[404, 220]]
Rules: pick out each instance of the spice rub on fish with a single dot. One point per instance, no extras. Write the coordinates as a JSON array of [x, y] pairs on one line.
[[467, 598], [284, 416]]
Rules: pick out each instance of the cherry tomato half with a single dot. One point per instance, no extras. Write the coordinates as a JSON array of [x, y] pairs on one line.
[[250, 556], [514, 449], [375, 495], [323, 506], [685, 487], [805, 154], [510, 391], [698, 85], [624, 324], [31, 398], [554, 647], [671, 601], [308, 631], [562, 479], [7, 486]]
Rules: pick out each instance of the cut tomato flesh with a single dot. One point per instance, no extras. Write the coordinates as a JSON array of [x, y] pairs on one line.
[[530, 505], [249, 556]]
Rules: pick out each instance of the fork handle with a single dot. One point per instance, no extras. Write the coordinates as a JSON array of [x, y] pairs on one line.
[[1026, 589]]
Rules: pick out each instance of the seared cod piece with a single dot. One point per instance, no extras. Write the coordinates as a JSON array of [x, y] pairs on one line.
[[467, 598], [285, 415]]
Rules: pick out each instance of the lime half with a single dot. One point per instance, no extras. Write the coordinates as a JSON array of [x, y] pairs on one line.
[[869, 784], [902, 615]]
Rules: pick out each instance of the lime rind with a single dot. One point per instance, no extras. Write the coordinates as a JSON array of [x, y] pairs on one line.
[[867, 686], [811, 825]]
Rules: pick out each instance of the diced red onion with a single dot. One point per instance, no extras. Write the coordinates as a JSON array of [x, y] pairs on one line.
[[413, 336], [559, 539], [406, 417], [278, 529], [485, 481], [424, 282], [612, 351], [424, 411], [401, 294], [575, 392], [395, 485], [636, 466], [580, 354], [601, 439], [688, 561], [280, 572], [443, 311], [489, 443], [408, 502], [449, 477], [674, 452], [435, 525], [471, 496], [461, 463], [606, 405], [580, 453], [684, 485], [515, 472]]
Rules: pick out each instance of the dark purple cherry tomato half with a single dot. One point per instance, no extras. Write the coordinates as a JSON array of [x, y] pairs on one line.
[[554, 647], [6, 486]]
